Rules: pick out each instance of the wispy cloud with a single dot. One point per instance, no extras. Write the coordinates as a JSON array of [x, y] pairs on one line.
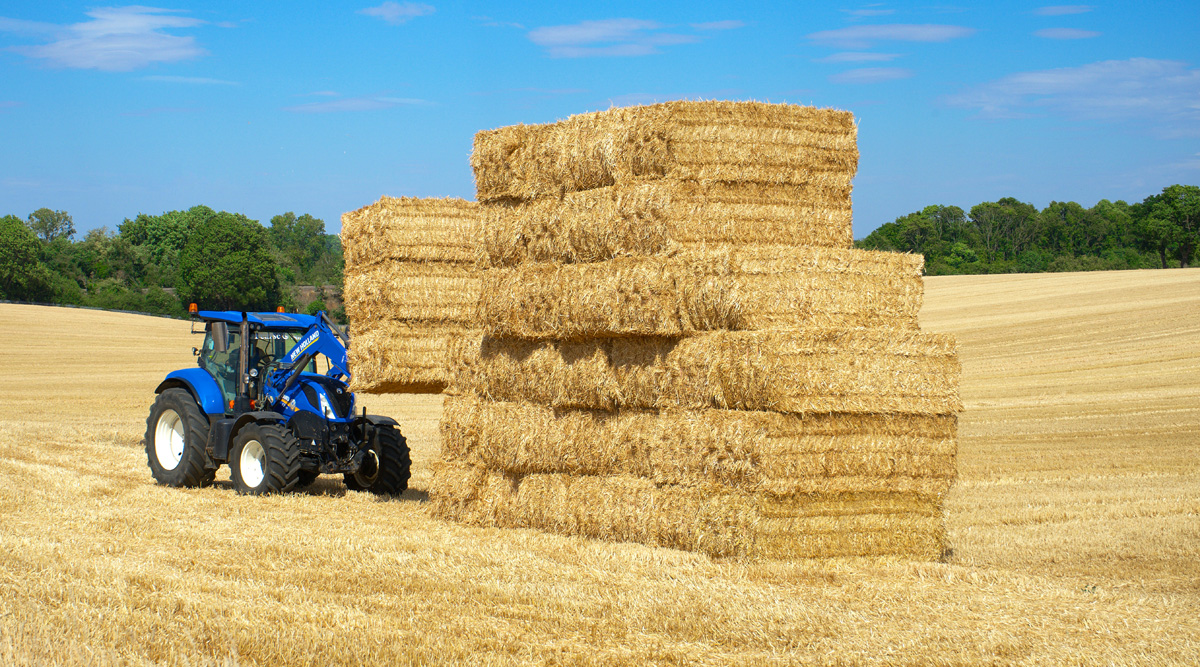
[[321, 93], [864, 36], [871, 75], [397, 13], [495, 23], [869, 12], [536, 91], [199, 80], [157, 111], [366, 103], [614, 37], [857, 57], [116, 39], [10, 104], [1066, 33], [1063, 10], [718, 25], [1161, 94]]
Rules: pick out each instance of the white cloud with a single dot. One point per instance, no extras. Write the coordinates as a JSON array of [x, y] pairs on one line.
[[116, 39], [863, 36], [367, 103], [191, 79], [857, 57], [397, 13], [322, 93], [718, 25], [1162, 94], [1066, 33], [608, 37], [867, 13], [1063, 10], [871, 75]]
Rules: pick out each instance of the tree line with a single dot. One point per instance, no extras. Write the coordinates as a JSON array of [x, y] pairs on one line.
[[159, 263], [1010, 236]]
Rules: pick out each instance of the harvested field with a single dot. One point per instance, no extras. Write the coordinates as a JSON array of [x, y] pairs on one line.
[[804, 370], [765, 287], [696, 141], [660, 217], [1074, 524]]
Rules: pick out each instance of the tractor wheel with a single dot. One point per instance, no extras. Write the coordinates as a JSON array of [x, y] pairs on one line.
[[387, 472], [307, 477], [176, 436], [265, 459]]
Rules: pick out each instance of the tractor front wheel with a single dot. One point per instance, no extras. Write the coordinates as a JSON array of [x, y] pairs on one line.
[[176, 434], [387, 472], [265, 459]]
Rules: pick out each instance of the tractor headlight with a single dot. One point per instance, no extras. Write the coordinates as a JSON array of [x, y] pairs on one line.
[[326, 409]]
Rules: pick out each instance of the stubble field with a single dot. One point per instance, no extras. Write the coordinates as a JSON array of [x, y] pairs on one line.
[[1075, 523]]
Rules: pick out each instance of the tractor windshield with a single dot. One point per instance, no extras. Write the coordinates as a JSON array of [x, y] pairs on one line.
[[273, 345]]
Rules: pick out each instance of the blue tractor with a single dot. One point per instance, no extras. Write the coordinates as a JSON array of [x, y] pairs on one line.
[[258, 403]]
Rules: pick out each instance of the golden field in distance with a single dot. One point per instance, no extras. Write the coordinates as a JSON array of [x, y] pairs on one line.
[[1075, 523]]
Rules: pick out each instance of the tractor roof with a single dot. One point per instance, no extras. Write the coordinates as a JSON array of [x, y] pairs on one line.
[[263, 320]]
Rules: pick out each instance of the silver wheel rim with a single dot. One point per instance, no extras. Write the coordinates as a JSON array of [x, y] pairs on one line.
[[169, 439], [252, 464], [367, 480]]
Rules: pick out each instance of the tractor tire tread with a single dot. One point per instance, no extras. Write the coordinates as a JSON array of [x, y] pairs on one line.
[[196, 468], [282, 463]]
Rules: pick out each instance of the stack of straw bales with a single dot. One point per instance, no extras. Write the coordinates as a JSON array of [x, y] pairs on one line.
[[410, 287], [680, 347]]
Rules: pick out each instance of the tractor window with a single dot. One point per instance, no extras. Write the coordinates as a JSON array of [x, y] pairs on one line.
[[222, 365]]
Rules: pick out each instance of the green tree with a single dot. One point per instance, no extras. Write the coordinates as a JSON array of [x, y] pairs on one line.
[[162, 238], [300, 242], [226, 264], [1006, 227], [22, 276], [1171, 221], [50, 225]]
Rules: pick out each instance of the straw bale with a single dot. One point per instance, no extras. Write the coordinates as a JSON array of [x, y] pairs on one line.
[[428, 292], [753, 288], [747, 450], [810, 370], [713, 519], [658, 217], [699, 141], [410, 229], [402, 357]]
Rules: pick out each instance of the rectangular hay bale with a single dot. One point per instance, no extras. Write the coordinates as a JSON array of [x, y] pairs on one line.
[[760, 452], [793, 371], [444, 293], [755, 288], [711, 141], [714, 520], [402, 357], [658, 217], [410, 229]]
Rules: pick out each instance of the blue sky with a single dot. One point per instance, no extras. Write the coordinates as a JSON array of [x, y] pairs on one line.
[[321, 107]]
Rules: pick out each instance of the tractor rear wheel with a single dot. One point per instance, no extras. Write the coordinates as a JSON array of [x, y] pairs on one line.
[[388, 471], [176, 436], [265, 459]]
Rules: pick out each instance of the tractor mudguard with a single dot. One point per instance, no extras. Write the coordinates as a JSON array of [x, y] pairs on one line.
[[222, 431], [380, 420], [200, 385]]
